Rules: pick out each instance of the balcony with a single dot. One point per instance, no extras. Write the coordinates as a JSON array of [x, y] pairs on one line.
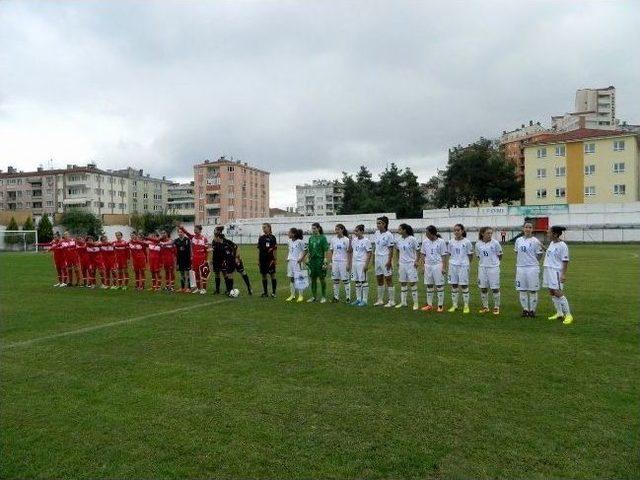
[[212, 205], [82, 201]]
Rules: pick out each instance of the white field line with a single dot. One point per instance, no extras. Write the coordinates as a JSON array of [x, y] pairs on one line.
[[107, 325]]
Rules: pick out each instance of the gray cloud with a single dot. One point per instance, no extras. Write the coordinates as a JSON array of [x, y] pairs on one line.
[[296, 86]]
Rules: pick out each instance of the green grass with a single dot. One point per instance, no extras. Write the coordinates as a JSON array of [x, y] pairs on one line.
[[257, 387]]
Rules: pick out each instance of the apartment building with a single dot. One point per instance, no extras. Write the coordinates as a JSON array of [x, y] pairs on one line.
[[583, 166], [512, 144], [319, 198], [146, 194], [594, 108], [226, 190], [181, 199]]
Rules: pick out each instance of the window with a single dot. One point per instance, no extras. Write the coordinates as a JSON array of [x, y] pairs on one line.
[[541, 173], [589, 191], [618, 145], [589, 148], [561, 171], [619, 189], [618, 167], [560, 151], [541, 193], [561, 192], [542, 152], [230, 169], [589, 169]]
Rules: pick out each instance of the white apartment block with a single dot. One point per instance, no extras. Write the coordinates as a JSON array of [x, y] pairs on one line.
[[595, 108], [86, 188], [320, 198], [181, 199]]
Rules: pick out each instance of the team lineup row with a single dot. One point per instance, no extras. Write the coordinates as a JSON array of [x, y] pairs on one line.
[[347, 258]]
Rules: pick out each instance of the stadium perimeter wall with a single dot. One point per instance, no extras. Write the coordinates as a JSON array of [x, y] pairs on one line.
[[605, 222]]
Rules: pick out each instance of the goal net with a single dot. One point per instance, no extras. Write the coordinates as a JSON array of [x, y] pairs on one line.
[[19, 241]]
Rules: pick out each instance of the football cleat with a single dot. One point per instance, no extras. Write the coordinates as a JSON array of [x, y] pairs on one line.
[[466, 309], [379, 303], [311, 300], [484, 310], [452, 309], [556, 316], [416, 307], [568, 320], [440, 309], [323, 300], [300, 298], [401, 305], [389, 304], [290, 298], [525, 313], [427, 308], [496, 310]]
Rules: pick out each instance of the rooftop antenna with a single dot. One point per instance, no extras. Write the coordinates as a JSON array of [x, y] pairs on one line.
[[51, 164]]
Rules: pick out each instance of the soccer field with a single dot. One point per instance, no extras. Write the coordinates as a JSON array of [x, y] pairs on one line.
[[112, 384]]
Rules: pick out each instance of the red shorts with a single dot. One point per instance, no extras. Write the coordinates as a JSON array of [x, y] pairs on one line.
[[138, 263], [154, 264], [122, 263], [197, 261]]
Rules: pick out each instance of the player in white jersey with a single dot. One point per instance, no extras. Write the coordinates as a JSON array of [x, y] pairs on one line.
[[434, 255], [460, 256], [360, 259], [407, 247], [339, 260], [528, 253], [295, 271], [556, 261], [489, 253], [384, 245]]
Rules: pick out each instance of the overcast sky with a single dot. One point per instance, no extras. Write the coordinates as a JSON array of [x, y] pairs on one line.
[[303, 89]]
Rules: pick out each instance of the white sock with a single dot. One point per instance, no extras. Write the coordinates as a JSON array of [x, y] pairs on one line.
[[564, 305], [365, 292], [556, 303], [533, 301], [336, 290], [484, 298], [496, 299], [465, 296], [403, 295], [347, 289], [429, 295], [440, 296], [392, 294], [524, 300], [358, 291], [414, 294], [381, 293], [454, 297], [292, 288]]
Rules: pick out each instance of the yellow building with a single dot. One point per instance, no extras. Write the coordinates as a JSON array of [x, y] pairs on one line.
[[582, 166]]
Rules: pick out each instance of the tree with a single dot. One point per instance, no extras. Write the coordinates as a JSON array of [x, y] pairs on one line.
[[152, 222], [476, 174], [81, 223], [12, 238], [29, 225], [45, 229], [396, 191]]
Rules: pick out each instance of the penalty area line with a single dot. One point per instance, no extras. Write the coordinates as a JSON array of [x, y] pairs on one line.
[[93, 328]]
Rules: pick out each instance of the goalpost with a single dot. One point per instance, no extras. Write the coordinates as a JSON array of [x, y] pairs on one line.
[[18, 240]]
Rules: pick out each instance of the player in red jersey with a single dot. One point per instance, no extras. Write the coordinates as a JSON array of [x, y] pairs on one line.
[[153, 255], [199, 245], [138, 259], [72, 260], [168, 260], [94, 261], [59, 260], [121, 248], [81, 248], [108, 263]]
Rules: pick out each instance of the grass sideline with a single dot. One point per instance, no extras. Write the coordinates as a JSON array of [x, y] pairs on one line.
[[257, 387]]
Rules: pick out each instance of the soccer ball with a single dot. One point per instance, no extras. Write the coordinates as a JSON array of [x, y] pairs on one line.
[[234, 293]]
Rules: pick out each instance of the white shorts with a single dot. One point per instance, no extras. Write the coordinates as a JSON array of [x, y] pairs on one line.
[[489, 277], [551, 278], [459, 274], [357, 272], [293, 269], [433, 274], [407, 273], [381, 266], [339, 271], [528, 279]]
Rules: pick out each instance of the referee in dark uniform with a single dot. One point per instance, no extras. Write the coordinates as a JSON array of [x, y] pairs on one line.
[[267, 247]]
